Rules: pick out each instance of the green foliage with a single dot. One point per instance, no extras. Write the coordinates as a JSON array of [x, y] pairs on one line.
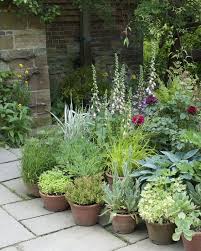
[[124, 196], [157, 200], [38, 156], [187, 217], [129, 149], [46, 12], [85, 191], [78, 85], [80, 157], [195, 194], [185, 165], [169, 117], [15, 119], [53, 182], [192, 137]]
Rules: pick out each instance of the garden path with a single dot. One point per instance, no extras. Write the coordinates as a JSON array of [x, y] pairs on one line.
[[26, 226]]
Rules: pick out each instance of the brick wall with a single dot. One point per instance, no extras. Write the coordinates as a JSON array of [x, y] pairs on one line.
[[64, 42], [23, 41]]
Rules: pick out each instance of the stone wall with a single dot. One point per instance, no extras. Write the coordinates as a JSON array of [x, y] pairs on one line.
[[23, 41]]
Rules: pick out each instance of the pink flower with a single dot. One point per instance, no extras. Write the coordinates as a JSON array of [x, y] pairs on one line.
[[138, 119], [192, 110]]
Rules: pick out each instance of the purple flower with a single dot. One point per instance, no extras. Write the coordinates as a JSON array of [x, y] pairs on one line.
[[151, 100]]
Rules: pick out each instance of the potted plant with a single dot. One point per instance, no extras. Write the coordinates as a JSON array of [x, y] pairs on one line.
[[128, 149], [155, 207], [85, 196], [188, 219], [38, 156], [122, 202], [52, 186]]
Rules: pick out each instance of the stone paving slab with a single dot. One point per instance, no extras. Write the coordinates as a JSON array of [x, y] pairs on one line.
[[17, 185], [9, 249], [147, 245], [49, 223], [9, 171], [16, 151], [139, 234], [6, 156], [75, 239], [11, 231], [26, 209], [6, 196]]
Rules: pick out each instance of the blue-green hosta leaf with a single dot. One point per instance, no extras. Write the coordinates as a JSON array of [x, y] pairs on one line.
[[190, 154], [171, 156]]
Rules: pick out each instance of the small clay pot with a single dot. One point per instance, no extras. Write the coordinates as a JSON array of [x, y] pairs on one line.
[[123, 224], [110, 179], [194, 245], [33, 190], [55, 203], [161, 234], [85, 215]]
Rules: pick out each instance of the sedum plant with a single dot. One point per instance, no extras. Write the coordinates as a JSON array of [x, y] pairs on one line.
[[130, 149], [80, 157], [157, 200], [53, 182], [124, 196], [85, 191]]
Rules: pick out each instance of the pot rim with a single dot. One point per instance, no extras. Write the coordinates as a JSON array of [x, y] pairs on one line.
[[165, 224], [51, 196], [124, 215], [195, 234], [84, 206]]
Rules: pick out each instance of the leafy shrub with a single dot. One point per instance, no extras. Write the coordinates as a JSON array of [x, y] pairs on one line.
[[38, 156], [15, 119], [129, 149], [80, 157], [124, 196], [157, 200], [85, 190], [53, 182]]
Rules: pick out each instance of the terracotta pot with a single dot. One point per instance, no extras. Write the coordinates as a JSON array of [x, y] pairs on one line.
[[55, 203], [161, 234], [85, 215], [123, 224], [194, 245], [33, 190], [110, 179]]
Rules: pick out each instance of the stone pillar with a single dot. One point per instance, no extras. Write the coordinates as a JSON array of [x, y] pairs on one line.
[[23, 41]]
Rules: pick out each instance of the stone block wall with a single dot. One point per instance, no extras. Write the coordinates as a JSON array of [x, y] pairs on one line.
[[23, 41]]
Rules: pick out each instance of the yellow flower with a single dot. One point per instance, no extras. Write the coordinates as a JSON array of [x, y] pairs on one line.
[[26, 72], [21, 65], [105, 74], [133, 77], [19, 106], [19, 75], [26, 82]]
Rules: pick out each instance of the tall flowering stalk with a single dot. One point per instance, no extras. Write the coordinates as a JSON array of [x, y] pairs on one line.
[[95, 101], [153, 75], [117, 99]]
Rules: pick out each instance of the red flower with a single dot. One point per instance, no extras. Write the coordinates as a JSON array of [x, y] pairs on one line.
[[138, 119], [192, 110]]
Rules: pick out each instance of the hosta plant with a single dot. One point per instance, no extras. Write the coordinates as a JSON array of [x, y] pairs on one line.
[[85, 191], [53, 182]]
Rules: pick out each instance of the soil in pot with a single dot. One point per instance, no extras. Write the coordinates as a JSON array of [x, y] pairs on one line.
[[123, 224], [33, 190], [161, 234], [55, 203], [85, 215], [194, 245]]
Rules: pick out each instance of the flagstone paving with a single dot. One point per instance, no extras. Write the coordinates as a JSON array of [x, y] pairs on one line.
[[26, 226]]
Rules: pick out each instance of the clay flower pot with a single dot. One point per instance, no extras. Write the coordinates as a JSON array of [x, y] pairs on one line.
[[123, 224], [55, 203], [85, 215], [33, 190], [110, 179], [161, 234], [194, 245]]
